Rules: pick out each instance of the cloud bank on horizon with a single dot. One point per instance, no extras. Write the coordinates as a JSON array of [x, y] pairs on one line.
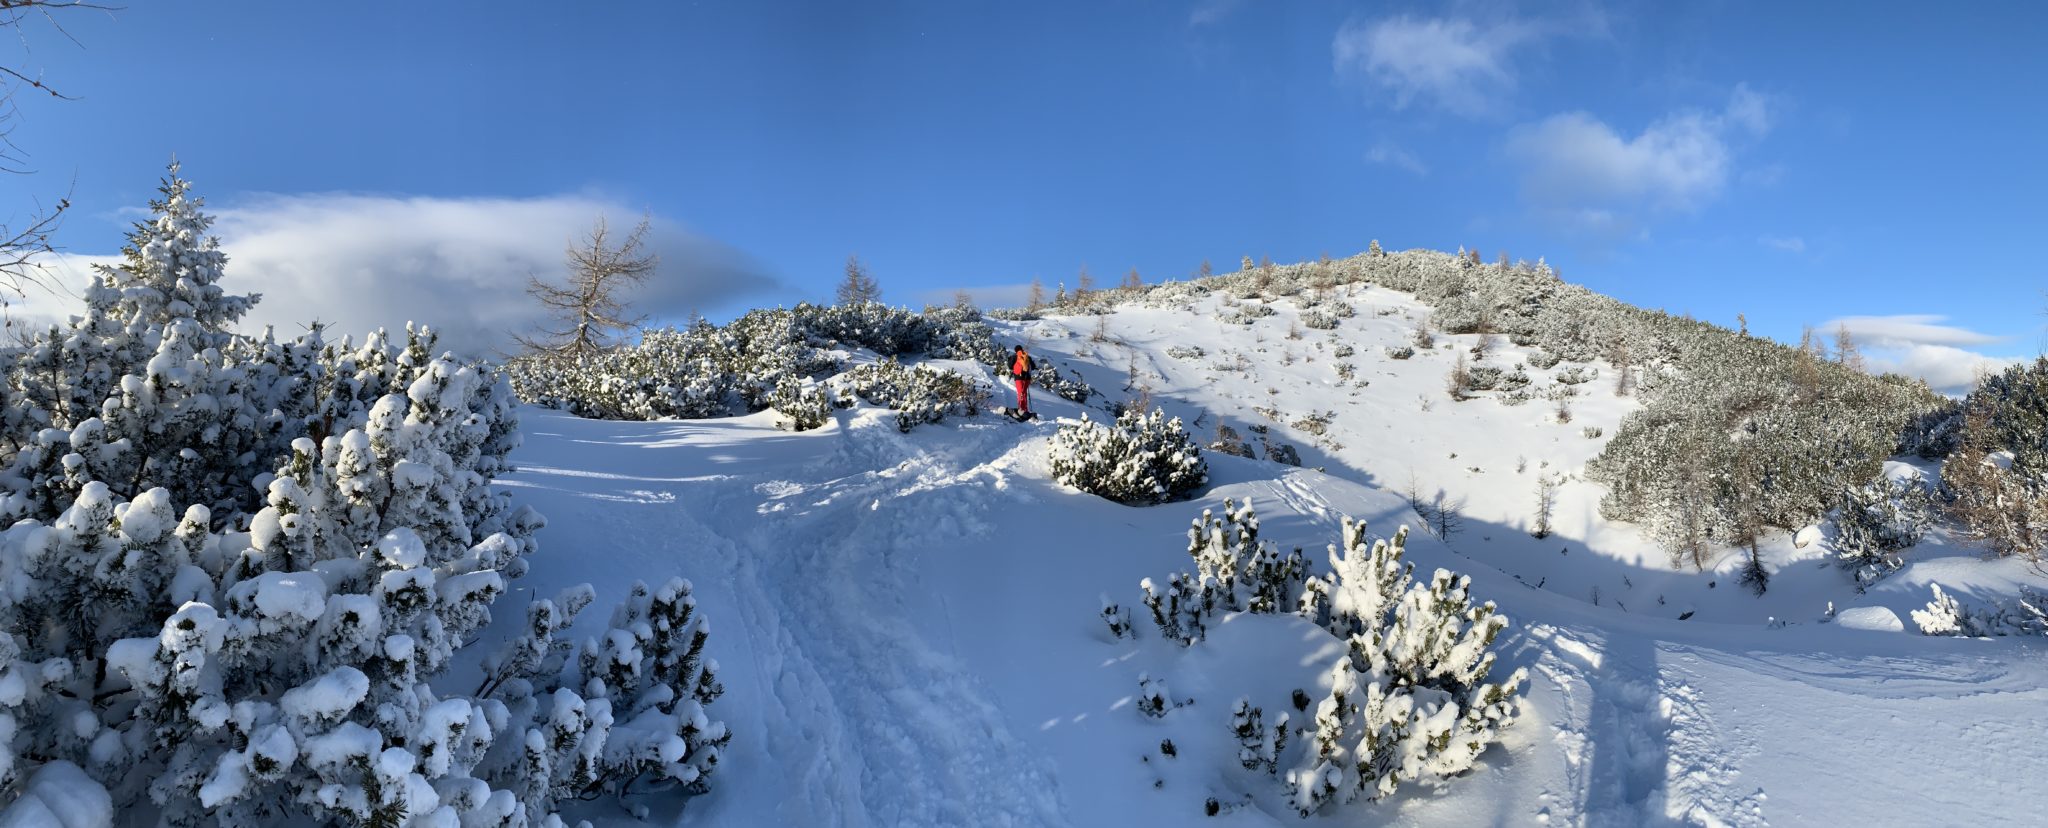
[[361, 262], [1919, 345]]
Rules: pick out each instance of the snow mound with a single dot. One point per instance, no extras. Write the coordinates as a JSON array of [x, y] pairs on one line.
[[1878, 619], [60, 795]]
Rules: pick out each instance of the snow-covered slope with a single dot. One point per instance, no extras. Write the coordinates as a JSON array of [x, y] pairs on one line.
[[908, 629]]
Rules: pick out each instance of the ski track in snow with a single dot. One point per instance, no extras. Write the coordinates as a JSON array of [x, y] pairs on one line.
[[846, 566], [870, 725], [851, 708]]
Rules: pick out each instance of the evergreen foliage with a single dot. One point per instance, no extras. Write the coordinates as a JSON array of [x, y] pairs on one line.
[[1772, 436], [706, 370], [237, 567], [1875, 522], [1997, 472], [1141, 459], [1411, 701], [918, 394], [1945, 615], [1234, 572]]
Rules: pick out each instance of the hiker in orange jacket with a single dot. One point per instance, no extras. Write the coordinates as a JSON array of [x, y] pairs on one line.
[[1020, 369]]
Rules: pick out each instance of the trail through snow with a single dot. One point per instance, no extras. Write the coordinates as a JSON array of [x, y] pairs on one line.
[[907, 631], [908, 625], [867, 722]]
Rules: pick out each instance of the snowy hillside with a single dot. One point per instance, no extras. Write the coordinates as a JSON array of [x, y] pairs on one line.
[[260, 582], [908, 624]]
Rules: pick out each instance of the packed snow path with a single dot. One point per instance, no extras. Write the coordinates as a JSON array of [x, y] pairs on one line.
[[906, 627], [810, 550]]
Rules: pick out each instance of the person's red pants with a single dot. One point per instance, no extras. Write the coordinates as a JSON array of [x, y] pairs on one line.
[[1023, 397]]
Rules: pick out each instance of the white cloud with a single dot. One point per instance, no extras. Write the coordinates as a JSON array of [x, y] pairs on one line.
[[1918, 345], [1391, 154], [1948, 370], [1788, 244], [1452, 63], [1749, 110], [1903, 330], [1574, 161], [361, 262], [1208, 12]]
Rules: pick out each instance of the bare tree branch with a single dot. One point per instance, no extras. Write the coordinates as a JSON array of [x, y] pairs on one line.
[[21, 244], [588, 315]]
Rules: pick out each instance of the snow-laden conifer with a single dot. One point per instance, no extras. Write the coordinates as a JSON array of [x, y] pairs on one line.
[[237, 567], [1142, 458]]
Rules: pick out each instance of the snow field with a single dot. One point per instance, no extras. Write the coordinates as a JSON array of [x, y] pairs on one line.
[[908, 623]]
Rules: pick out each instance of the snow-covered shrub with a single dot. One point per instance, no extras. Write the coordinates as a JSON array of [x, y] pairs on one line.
[[1344, 350], [1411, 701], [1229, 442], [1592, 432], [1765, 444], [804, 404], [1315, 422], [1575, 375], [918, 394], [1934, 435], [1485, 378], [1189, 352], [1244, 313], [1118, 620], [1140, 459], [1234, 572], [1319, 319], [1400, 352], [1282, 453], [238, 565], [1997, 474], [1154, 700], [1259, 747], [624, 707], [705, 370], [1543, 359], [1875, 522], [1945, 615], [1180, 610]]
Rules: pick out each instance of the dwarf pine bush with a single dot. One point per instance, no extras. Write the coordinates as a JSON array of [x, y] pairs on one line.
[[238, 569], [1141, 459], [1410, 700], [704, 370]]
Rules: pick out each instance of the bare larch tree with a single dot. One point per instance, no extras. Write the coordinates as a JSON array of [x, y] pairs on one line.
[[858, 287], [586, 314]]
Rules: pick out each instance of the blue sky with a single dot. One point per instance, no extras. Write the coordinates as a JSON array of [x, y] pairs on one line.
[[1798, 163]]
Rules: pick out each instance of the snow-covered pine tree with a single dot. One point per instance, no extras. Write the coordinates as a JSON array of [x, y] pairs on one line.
[[804, 404], [1944, 616], [1118, 619], [1154, 700], [1181, 609], [1546, 504], [281, 673], [1874, 522], [1141, 459], [1410, 702], [1259, 747], [1234, 572]]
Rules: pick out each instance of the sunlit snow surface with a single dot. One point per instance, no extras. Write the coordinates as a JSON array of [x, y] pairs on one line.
[[908, 629]]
